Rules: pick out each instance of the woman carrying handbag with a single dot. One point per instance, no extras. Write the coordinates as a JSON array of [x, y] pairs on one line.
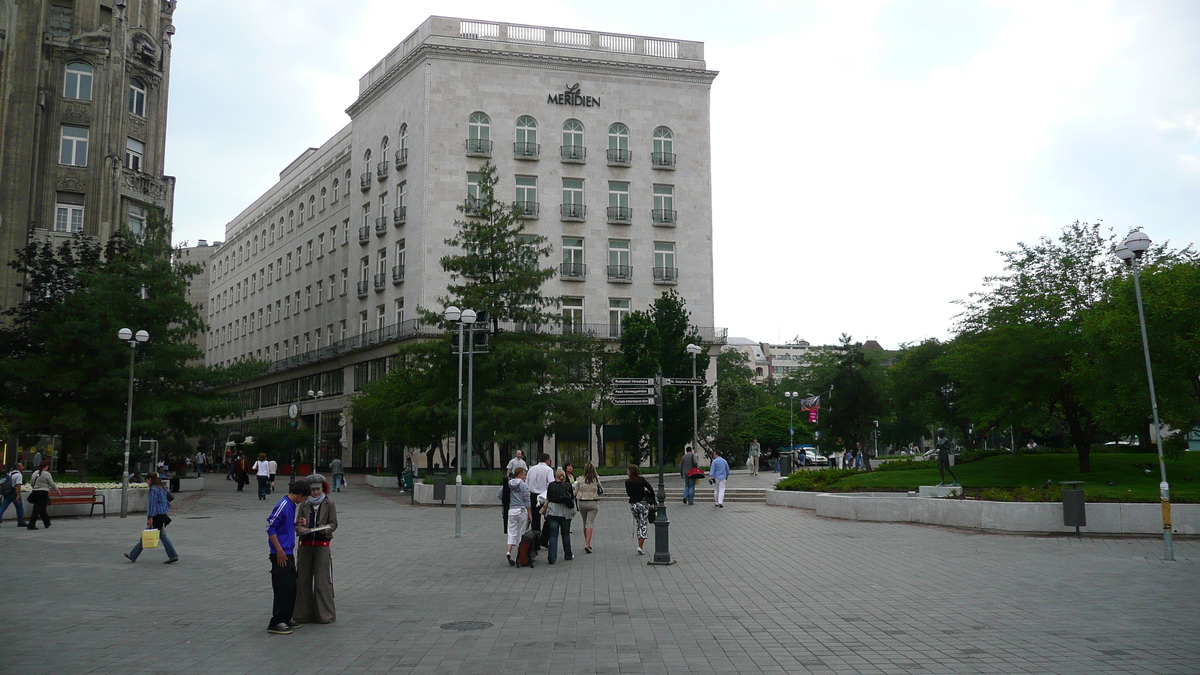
[[641, 496], [157, 506], [40, 485]]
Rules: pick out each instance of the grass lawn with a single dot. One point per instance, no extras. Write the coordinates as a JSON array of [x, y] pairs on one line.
[[1131, 483]]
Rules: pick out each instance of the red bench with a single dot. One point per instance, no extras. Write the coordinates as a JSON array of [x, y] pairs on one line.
[[80, 495]]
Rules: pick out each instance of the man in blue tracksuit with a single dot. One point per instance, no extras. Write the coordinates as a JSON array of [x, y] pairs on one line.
[[718, 474], [281, 537]]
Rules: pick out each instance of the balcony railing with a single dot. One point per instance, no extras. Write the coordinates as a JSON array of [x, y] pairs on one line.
[[620, 273], [472, 206], [662, 160], [574, 212], [364, 234], [618, 157], [380, 281], [381, 170], [526, 209], [364, 181], [398, 274], [478, 147], [381, 224], [666, 275], [362, 288], [401, 158], [522, 150], [400, 215], [620, 214], [572, 271], [573, 154], [663, 216]]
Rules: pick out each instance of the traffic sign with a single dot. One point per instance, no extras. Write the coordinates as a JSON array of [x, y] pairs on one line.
[[634, 401], [684, 381], [633, 391], [635, 381]]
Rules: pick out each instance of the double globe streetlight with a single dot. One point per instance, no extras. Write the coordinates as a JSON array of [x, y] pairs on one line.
[[134, 339], [695, 350], [1130, 252], [791, 396], [464, 318]]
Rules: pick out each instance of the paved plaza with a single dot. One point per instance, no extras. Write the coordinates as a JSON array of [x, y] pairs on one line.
[[757, 589]]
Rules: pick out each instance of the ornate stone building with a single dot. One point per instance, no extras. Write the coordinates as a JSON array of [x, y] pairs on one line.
[[83, 118]]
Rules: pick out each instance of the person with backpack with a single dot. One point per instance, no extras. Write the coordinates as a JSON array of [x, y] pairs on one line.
[[157, 505], [514, 499], [10, 492], [641, 500], [40, 485]]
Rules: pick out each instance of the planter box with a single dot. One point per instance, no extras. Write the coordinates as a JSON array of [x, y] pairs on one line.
[[1103, 518], [191, 484], [472, 495], [112, 498], [376, 481]]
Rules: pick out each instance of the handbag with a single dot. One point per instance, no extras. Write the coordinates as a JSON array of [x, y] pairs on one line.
[[149, 538], [695, 472], [651, 515]]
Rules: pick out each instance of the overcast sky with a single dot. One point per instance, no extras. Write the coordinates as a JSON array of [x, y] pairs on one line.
[[869, 158]]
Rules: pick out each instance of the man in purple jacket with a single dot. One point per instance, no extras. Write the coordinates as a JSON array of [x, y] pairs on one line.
[[281, 537]]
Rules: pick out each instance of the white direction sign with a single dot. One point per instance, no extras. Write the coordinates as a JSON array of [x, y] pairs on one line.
[[684, 381], [634, 381], [633, 391], [634, 401]]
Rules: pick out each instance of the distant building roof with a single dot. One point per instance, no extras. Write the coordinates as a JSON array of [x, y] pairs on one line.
[[873, 345]]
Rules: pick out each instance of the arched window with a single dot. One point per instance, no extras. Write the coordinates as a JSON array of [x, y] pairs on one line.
[[300, 212], [383, 147], [572, 141], [256, 244], [137, 97], [78, 82], [272, 233], [618, 144], [402, 151], [663, 153], [479, 134], [312, 206], [348, 173], [323, 193], [526, 146], [291, 220], [367, 161], [336, 185]]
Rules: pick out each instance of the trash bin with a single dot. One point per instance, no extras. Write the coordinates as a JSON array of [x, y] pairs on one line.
[[1074, 512], [439, 488], [408, 481], [785, 464]]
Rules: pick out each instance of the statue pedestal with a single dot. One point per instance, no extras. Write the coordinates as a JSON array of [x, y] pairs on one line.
[[940, 491]]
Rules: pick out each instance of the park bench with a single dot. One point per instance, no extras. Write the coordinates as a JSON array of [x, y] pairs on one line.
[[80, 495]]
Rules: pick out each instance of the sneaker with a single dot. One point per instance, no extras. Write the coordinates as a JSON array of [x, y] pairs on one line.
[[280, 629], [130, 559], [569, 557], [293, 624], [168, 561]]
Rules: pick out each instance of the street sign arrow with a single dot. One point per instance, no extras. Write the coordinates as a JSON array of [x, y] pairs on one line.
[[684, 381], [633, 391], [634, 401], [635, 381]]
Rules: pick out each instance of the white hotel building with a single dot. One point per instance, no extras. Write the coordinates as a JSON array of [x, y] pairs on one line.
[[602, 139]]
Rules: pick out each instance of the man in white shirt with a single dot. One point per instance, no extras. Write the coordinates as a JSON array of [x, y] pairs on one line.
[[517, 462], [538, 480]]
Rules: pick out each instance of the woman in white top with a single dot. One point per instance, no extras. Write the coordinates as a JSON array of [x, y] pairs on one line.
[[262, 469]]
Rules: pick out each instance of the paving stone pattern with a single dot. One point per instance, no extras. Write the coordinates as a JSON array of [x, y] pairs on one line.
[[757, 589]]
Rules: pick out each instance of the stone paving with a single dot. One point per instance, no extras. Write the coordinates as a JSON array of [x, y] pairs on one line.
[[757, 589]]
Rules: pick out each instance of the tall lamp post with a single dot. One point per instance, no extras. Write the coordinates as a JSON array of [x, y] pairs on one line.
[[1130, 252], [791, 397], [463, 318], [316, 396], [695, 350], [133, 340]]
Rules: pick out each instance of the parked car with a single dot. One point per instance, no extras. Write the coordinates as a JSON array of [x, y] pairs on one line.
[[813, 459]]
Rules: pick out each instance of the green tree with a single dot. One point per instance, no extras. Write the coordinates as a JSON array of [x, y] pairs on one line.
[[923, 392], [859, 398], [737, 398]]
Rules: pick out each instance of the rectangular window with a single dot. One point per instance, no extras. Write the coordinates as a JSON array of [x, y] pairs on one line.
[[572, 314], [345, 279], [526, 191], [279, 268], [329, 335], [400, 257], [73, 148], [332, 237], [332, 283], [306, 341], [362, 322], [310, 251], [289, 263], [345, 232], [573, 191], [618, 194], [321, 245], [618, 252], [134, 151], [68, 212], [342, 329], [298, 250], [307, 298], [270, 273], [287, 306], [296, 310], [572, 258], [617, 309], [60, 20], [364, 269], [261, 274], [664, 254], [380, 317], [320, 291], [381, 265], [664, 204], [400, 311], [473, 186], [366, 221], [135, 219], [401, 195]]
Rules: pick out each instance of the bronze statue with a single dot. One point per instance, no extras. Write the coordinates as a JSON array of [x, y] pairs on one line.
[[943, 455]]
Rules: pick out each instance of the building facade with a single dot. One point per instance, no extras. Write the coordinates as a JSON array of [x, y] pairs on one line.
[[601, 140], [83, 113]]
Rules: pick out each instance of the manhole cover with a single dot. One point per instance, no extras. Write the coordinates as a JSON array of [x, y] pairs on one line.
[[466, 625]]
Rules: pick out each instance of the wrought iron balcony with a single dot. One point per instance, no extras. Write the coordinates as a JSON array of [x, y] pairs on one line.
[[525, 209], [381, 170], [666, 275], [663, 216], [364, 234], [572, 271], [400, 215], [620, 214], [662, 160], [362, 288], [380, 281], [364, 181], [574, 212], [619, 157], [620, 273], [398, 274], [401, 158], [478, 147], [573, 154], [472, 206], [526, 150], [381, 225]]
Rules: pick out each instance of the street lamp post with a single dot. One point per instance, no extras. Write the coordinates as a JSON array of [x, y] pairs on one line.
[[791, 397], [695, 350], [1130, 252], [316, 396], [876, 439], [133, 340], [463, 318]]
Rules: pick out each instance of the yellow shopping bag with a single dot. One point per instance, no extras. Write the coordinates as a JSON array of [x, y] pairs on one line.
[[149, 538]]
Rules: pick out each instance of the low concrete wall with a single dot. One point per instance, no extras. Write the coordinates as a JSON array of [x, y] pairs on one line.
[[112, 498], [191, 484], [472, 495], [376, 481], [1103, 518]]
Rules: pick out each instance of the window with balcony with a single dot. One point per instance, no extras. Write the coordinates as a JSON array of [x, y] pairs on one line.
[[619, 268], [665, 271], [572, 149], [474, 202], [572, 315], [400, 213], [381, 268], [572, 267], [399, 311], [526, 204], [479, 135], [68, 212], [381, 222], [664, 205], [381, 169], [618, 202], [73, 146], [526, 145], [364, 180], [398, 268], [618, 308], [134, 151], [362, 322], [77, 82], [618, 145], [137, 97], [572, 208], [364, 230], [662, 156], [402, 151]]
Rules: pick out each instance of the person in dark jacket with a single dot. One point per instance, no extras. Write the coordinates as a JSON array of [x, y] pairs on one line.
[[689, 482], [157, 507], [641, 496], [560, 509]]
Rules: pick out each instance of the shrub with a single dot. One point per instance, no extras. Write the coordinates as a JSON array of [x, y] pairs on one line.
[[975, 455], [820, 479], [906, 464]]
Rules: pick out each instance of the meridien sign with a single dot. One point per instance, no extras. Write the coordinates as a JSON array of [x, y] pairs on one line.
[[571, 96]]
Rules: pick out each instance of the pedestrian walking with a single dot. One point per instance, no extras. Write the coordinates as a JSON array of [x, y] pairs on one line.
[[199, 459], [587, 499], [687, 466], [560, 509], [539, 479], [281, 542], [338, 470], [753, 457], [314, 560], [262, 471], [37, 459], [40, 485], [641, 497], [569, 468], [273, 469], [229, 457], [515, 462], [514, 500], [718, 474], [240, 473], [157, 505], [10, 492]]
